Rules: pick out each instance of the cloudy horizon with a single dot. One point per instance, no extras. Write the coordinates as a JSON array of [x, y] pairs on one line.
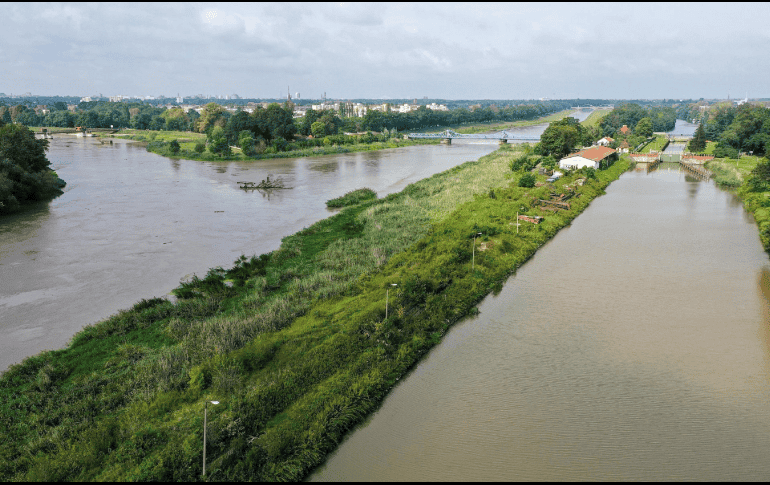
[[390, 51]]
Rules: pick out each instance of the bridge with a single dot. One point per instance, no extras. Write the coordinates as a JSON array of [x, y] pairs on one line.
[[448, 135]]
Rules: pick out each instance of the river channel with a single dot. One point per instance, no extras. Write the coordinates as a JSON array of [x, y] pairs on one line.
[[635, 345]]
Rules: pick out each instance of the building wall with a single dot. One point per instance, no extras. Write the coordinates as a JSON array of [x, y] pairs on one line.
[[577, 162]]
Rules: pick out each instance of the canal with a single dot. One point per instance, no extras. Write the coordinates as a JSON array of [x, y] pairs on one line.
[[635, 345]]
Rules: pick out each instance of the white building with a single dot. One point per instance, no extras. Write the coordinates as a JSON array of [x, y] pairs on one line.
[[605, 142], [588, 157], [437, 107]]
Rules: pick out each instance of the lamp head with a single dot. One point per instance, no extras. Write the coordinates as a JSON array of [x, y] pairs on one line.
[[214, 402]]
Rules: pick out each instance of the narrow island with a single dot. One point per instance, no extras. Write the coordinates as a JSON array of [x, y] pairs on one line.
[[294, 344]]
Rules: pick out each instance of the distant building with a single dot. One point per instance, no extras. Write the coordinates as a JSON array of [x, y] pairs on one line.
[[624, 130], [437, 107], [588, 157], [384, 107], [116, 99], [624, 147], [85, 99], [605, 142]]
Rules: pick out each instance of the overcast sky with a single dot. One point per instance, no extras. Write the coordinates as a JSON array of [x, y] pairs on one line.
[[384, 50]]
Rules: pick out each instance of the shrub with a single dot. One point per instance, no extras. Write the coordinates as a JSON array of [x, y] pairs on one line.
[[352, 198], [527, 180], [200, 147]]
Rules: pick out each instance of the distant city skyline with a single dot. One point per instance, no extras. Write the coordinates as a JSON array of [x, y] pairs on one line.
[[387, 51]]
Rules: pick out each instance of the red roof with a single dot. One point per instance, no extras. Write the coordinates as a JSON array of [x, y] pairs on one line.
[[625, 144], [594, 153], [625, 129]]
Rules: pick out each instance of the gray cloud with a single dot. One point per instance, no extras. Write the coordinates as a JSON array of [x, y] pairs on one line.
[[351, 50]]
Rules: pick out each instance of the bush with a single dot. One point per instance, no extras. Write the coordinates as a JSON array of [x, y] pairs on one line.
[[527, 180], [200, 147], [725, 152], [352, 198], [173, 147], [523, 163]]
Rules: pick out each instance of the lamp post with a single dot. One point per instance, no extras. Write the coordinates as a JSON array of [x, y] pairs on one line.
[[387, 295], [205, 419], [473, 265]]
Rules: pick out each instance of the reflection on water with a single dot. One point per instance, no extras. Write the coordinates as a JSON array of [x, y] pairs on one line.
[[632, 346], [131, 223]]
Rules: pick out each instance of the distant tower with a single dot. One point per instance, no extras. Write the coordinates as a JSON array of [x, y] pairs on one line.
[[288, 94]]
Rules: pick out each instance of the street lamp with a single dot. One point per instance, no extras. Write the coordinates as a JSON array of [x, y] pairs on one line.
[[205, 418], [387, 294], [474, 250]]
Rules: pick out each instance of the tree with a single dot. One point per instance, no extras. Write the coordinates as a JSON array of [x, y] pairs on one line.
[[560, 138], [318, 129], [212, 114], [174, 147], [25, 175], [246, 142], [218, 142], [698, 142], [644, 128]]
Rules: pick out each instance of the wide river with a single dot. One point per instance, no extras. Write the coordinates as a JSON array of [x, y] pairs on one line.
[[635, 345], [131, 224]]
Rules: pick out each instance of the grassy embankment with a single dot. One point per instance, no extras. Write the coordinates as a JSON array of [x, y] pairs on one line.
[[157, 142], [294, 343], [595, 117], [736, 174], [658, 143], [352, 198]]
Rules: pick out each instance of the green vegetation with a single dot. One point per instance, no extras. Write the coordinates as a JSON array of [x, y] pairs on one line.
[[698, 142], [657, 118], [750, 176], [352, 198], [561, 137], [293, 343], [595, 118], [657, 143], [725, 174], [25, 173], [741, 129]]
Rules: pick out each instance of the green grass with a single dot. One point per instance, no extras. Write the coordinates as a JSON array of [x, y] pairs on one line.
[[293, 343], [157, 142], [595, 118], [658, 143], [352, 198], [736, 174], [725, 174], [709, 150]]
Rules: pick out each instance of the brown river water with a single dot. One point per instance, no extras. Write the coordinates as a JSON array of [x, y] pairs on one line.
[[131, 224], [635, 345]]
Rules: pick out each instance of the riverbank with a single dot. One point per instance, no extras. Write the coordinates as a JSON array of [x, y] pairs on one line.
[[294, 343], [736, 174], [159, 142]]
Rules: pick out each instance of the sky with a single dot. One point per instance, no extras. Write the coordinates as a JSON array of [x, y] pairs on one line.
[[387, 50]]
